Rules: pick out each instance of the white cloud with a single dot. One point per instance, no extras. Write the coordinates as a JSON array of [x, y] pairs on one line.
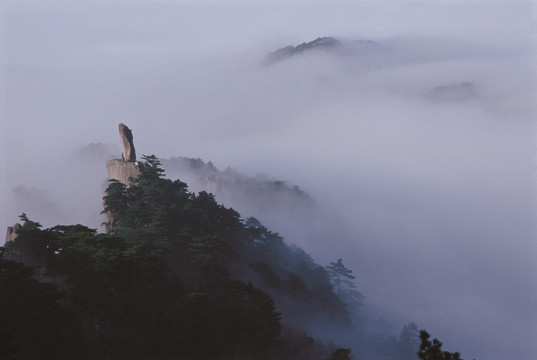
[[434, 201]]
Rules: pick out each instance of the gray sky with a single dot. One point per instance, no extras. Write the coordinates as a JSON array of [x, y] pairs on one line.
[[432, 203]]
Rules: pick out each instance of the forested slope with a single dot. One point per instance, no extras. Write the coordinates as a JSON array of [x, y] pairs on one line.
[[179, 276]]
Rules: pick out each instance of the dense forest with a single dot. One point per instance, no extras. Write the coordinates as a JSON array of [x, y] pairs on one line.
[[179, 276]]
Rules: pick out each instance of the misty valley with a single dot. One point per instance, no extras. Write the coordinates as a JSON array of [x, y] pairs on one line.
[[316, 180]]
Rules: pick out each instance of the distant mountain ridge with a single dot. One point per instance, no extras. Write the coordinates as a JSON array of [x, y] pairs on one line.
[[369, 54], [321, 43], [327, 44], [238, 190]]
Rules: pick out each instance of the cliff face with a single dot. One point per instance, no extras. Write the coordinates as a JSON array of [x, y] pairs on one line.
[[123, 171], [13, 232]]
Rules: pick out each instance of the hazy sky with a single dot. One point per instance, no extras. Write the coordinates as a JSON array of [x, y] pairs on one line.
[[431, 202]]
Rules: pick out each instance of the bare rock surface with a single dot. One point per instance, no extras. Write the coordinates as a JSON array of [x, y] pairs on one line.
[[127, 141], [123, 171], [127, 168], [13, 232]]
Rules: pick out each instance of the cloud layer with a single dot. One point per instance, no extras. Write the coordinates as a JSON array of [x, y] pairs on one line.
[[430, 201]]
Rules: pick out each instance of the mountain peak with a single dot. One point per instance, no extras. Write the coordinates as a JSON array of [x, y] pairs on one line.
[[326, 43]]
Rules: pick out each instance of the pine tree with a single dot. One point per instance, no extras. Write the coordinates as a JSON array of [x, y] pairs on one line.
[[340, 275], [341, 278]]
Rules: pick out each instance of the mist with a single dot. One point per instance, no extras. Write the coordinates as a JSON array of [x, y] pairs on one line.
[[430, 199]]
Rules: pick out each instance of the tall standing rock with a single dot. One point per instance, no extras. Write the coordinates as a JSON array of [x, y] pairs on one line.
[[127, 142], [125, 169]]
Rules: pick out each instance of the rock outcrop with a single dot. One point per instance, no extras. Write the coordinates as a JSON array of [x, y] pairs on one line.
[[13, 232], [123, 171], [126, 169], [127, 142]]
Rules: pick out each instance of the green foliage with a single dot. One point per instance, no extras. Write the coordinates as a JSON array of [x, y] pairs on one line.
[[432, 350], [196, 230], [300, 287], [29, 224], [113, 287], [207, 249], [162, 212], [127, 301]]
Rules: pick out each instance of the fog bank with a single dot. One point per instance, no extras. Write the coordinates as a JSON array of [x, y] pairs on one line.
[[425, 190]]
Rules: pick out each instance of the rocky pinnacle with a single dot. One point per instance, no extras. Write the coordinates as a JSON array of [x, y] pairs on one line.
[[127, 142]]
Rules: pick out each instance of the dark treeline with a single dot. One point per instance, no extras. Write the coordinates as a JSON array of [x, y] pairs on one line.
[[177, 276]]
